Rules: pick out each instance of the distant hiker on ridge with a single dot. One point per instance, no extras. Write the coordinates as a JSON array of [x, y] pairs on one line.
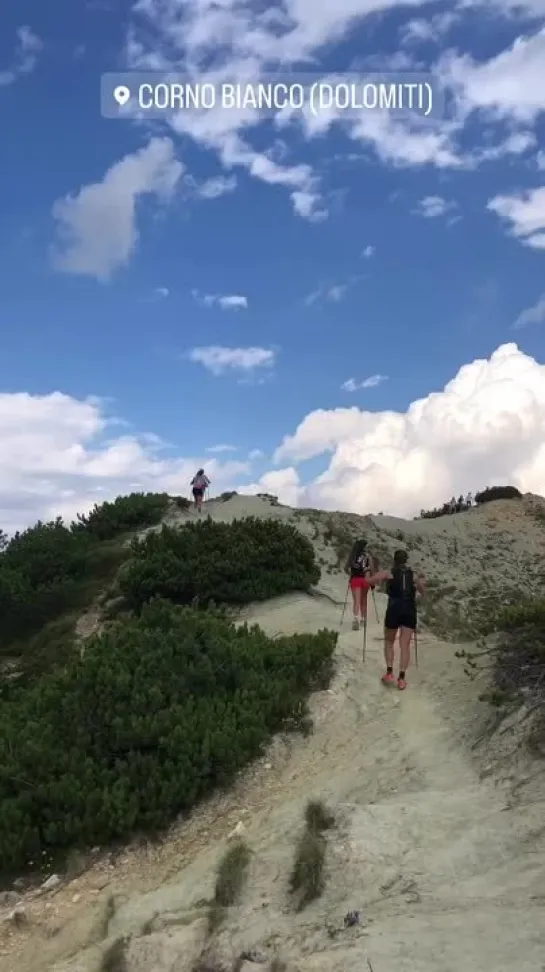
[[359, 566], [200, 484], [401, 588]]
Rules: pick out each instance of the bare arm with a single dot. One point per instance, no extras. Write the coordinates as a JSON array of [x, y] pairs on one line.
[[379, 577], [420, 584]]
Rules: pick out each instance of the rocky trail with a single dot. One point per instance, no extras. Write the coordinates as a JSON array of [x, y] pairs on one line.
[[438, 843]]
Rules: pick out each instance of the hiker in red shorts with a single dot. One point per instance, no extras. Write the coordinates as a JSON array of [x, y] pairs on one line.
[[359, 566]]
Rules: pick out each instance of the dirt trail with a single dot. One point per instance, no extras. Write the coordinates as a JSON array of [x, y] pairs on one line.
[[447, 873]]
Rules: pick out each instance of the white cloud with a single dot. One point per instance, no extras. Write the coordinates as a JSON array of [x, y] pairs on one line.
[[162, 292], [97, 231], [525, 211], [243, 41], [368, 252], [218, 360], [58, 455], [283, 483], [309, 205], [433, 29], [430, 207], [222, 448], [485, 427], [25, 56], [217, 186], [331, 292], [532, 315], [337, 292], [372, 382], [225, 301], [510, 85]]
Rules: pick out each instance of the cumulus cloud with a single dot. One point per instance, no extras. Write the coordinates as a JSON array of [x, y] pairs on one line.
[[96, 229], [218, 359], [25, 56], [243, 41], [368, 252], [431, 207], [510, 85], [485, 427], [283, 483], [525, 212], [60, 455], [372, 382]]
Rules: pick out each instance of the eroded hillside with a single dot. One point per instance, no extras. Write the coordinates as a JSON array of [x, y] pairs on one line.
[[436, 826]]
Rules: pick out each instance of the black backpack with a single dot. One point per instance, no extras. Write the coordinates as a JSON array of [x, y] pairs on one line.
[[360, 564], [402, 586]]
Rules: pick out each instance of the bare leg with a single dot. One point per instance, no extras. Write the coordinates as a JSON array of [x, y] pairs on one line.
[[389, 643], [405, 637], [363, 603], [355, 602], [355, 608]]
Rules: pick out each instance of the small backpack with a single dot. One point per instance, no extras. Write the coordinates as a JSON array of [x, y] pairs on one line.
[[200, 482], [361, 563], [402, 586]]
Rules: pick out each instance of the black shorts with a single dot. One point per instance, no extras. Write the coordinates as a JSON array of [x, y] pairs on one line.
[[400, 615], [198, 492]]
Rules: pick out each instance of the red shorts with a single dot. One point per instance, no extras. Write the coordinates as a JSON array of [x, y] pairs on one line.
[[359, 583]]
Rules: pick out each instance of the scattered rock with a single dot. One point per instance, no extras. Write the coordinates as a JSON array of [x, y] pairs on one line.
[[17, 917], [254, 955], [101, 882], [8, 898], [237, 831], [76, 898], [51, 883], [352, 918]]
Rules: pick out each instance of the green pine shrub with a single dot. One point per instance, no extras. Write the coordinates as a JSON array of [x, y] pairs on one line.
[[230, 880], [519, 652], [52, 569], [125, 513], [160, 710], [223, 563], [497, 493], [307, 879]]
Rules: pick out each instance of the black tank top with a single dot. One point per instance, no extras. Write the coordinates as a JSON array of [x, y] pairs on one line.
[[402, 586]]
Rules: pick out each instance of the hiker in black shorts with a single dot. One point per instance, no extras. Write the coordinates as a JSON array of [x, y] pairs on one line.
[[200, 484], [401, 587]]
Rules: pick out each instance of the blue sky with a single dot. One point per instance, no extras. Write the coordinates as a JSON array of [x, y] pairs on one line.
[[376, 252]]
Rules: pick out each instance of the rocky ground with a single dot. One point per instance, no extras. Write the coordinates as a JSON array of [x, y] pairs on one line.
[[438, 843]]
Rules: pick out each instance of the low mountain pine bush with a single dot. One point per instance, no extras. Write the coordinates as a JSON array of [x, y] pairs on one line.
[[159, 711], [497, 493], [125, 513], [224, 563]]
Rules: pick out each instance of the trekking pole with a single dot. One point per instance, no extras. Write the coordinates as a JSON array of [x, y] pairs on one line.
[[364, 640], [416, 647], [375, 605], [344, 606]]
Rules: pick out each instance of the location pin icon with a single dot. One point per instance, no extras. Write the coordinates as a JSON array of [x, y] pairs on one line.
[[122, 94]]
